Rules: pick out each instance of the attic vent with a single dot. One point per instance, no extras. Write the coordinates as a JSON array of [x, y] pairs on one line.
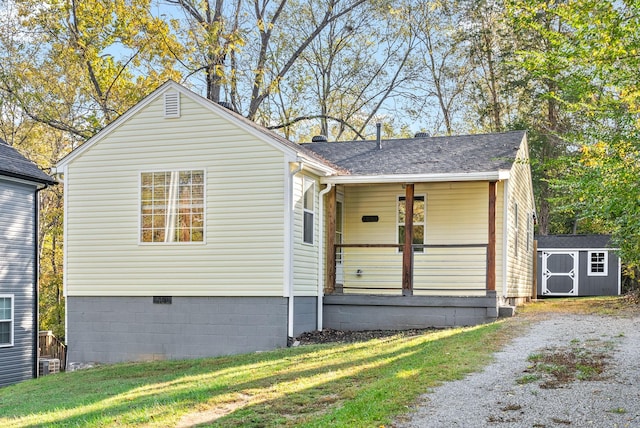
[[319, 139], [421, 135], [172, 104]]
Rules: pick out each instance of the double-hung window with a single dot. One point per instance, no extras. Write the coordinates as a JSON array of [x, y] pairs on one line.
[[6, 320], [598, 263], [308, 209], [419, 221], [172, 206]]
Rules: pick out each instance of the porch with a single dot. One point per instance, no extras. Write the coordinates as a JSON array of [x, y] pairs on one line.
[[410, 284]]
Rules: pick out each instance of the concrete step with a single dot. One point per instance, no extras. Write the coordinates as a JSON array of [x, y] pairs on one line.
[[506, 311]]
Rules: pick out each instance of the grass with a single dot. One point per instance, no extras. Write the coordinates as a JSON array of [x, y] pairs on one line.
[[360, 384]]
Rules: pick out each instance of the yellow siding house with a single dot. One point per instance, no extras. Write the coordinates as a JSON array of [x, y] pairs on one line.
[[191, 231]]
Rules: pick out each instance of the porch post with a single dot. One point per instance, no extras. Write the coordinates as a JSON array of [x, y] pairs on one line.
[[491, 247], [407, 251], [330, 268]]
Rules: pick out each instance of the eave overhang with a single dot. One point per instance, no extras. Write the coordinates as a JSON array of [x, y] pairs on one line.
[[417, 178]]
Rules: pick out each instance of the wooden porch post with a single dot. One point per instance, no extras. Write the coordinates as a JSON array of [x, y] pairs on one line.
[[330, 281], [407, 251], [491, 248]]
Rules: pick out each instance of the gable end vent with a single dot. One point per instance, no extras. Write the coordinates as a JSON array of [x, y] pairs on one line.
[[172, 104]]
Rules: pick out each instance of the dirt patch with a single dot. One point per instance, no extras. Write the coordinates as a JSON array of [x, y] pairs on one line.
[[556, 367]]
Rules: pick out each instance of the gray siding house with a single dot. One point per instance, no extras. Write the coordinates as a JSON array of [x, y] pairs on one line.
[[20, 181], [577, 265]]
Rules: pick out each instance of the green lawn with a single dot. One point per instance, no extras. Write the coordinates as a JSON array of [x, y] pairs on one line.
[[363, 384]]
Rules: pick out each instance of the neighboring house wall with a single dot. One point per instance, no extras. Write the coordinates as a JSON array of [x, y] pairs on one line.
[[17, 278], [227, 292], [520, 211]]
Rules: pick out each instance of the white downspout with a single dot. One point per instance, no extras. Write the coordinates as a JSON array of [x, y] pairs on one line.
[[505, 238], [292, 209], [321, 253]]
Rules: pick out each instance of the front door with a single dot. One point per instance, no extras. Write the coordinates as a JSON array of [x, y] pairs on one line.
[[560, 273]]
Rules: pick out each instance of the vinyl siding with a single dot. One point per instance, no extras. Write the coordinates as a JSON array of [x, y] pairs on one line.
[[244, 244], [305, 261], [456, 213], [519, 267], [17, 270]]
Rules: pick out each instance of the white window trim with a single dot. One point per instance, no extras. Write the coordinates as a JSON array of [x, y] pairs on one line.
[[590, 271], [11, 321], [204, 210], [311, 211], [424, 223]]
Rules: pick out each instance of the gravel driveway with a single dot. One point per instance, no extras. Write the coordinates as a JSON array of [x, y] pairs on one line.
[[514, 391]]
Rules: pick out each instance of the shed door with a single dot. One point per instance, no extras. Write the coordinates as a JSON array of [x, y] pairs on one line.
[[560, 273]]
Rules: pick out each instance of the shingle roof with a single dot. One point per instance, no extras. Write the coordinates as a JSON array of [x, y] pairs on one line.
[[573, 241], [13, 164], [424, 155]]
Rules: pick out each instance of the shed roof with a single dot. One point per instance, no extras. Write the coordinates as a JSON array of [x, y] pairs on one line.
[[13, 164], [573, 241], [424, 155]]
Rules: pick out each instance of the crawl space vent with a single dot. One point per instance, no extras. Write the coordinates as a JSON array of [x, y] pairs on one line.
[[172, 104]]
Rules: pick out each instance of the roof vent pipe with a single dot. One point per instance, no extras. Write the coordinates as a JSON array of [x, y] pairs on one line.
[[378, 135], [319, 139]]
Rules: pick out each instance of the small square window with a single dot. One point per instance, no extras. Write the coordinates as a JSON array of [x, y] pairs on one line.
[[598, 263]]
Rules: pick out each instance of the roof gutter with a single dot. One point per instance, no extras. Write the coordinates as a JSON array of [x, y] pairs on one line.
[[416, 178]]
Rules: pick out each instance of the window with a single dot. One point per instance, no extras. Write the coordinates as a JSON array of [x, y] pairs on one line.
[[418, 221], [6, 320], [597, 263], [308, 209], [172, 206], [516, 227]]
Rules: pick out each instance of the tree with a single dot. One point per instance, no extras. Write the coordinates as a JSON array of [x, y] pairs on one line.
[[345, 77], [590, 73], [235, 44], [67, 69]]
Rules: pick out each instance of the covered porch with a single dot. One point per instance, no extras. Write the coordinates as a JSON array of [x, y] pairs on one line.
[[440, 271]]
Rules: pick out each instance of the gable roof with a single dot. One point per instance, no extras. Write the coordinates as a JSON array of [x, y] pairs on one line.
[[13, 164], [573, 241], [258, 131], [464, 155]]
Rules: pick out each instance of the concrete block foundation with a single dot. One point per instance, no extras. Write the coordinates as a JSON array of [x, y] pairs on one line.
[[117, 329]]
